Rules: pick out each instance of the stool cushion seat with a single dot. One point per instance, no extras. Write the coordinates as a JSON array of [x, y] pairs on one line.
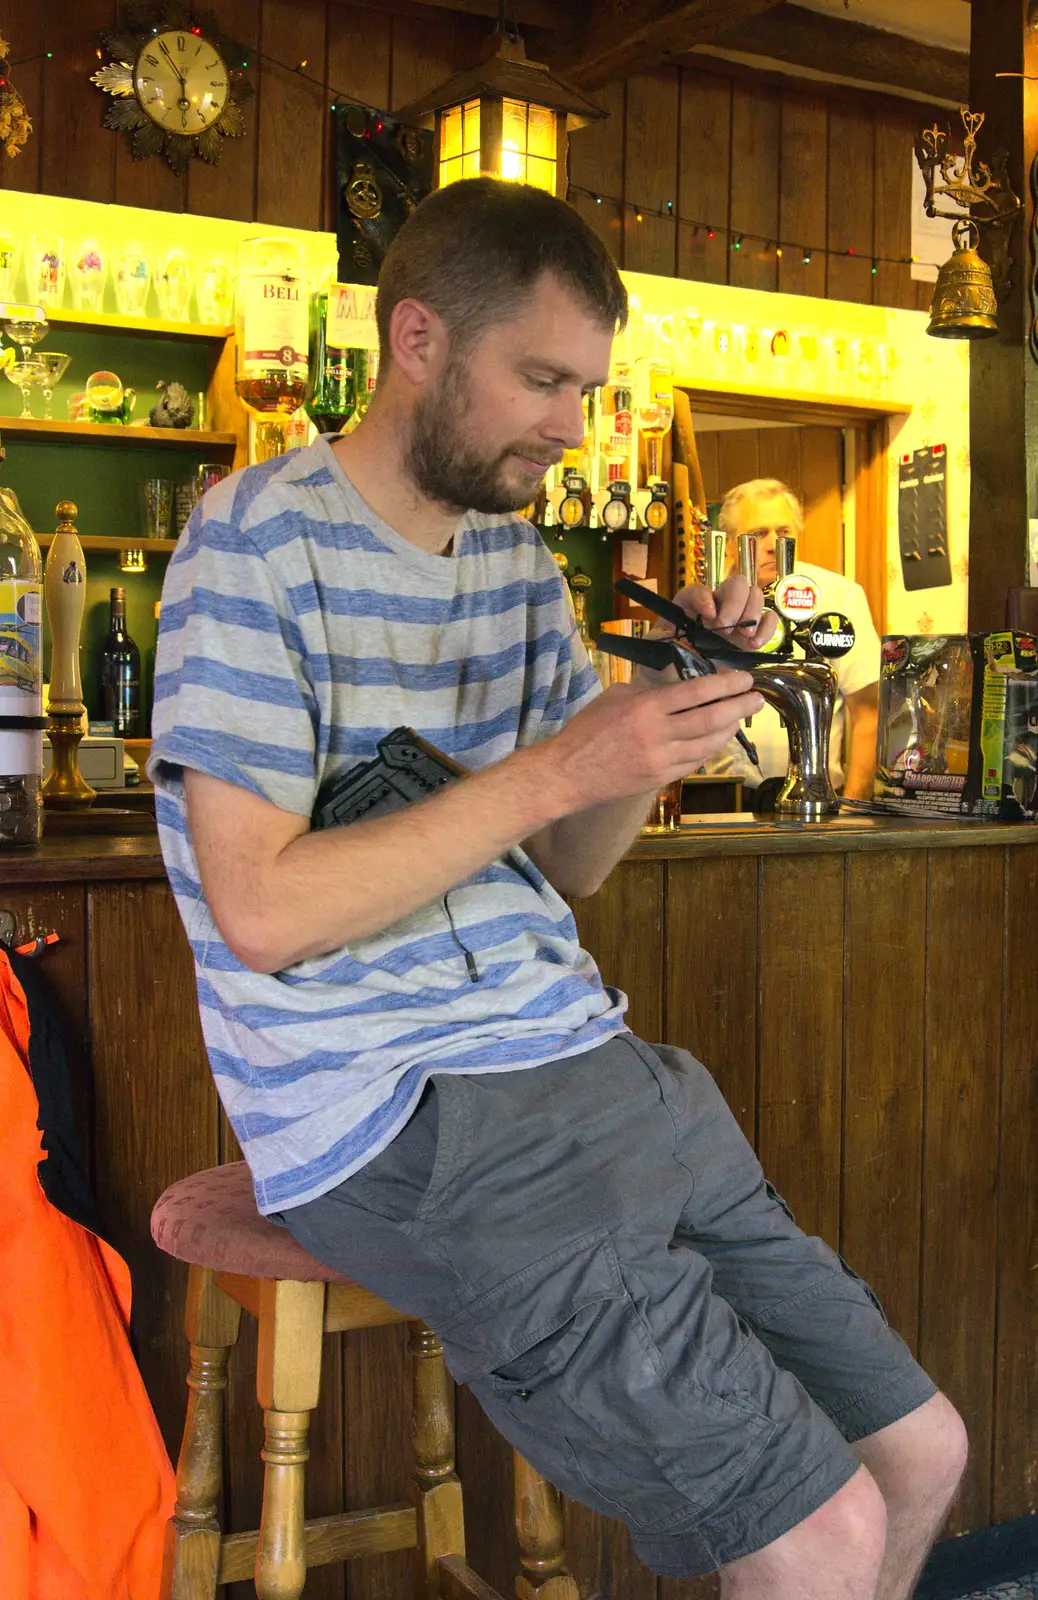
[[211, 1220]]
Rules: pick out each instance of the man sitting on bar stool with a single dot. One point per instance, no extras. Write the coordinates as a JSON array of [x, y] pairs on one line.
[[769, 509], [435, 1091]]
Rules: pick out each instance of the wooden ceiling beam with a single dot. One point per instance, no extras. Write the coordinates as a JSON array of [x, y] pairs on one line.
[[548, 15], [802, 38], [624, 36]]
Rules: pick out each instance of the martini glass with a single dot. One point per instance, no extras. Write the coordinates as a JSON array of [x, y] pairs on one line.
[[27, 375], [26, 332], [54, 365]]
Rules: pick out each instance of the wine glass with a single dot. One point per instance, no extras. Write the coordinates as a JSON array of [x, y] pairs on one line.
[[54, 365], [655, 409], [26, 331], [27, 375]]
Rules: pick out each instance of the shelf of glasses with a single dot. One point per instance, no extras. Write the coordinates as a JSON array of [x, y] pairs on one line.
[[113, 544], [152, 327], [34, 429]]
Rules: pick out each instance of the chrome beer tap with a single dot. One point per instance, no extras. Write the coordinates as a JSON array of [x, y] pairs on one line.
[[803, 692]]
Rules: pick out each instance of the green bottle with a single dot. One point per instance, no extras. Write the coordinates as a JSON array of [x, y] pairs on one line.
[[331, 388]]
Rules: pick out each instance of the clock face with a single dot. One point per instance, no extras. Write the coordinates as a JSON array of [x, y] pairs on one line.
[[181, 82]]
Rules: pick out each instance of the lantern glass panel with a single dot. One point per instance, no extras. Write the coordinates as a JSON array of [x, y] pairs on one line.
[[540, 138]]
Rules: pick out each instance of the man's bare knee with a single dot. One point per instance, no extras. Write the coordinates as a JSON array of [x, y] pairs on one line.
[[837, 1551], [919, 1460]]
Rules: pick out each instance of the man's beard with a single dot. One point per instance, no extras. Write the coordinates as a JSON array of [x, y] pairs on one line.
[[444, 463]]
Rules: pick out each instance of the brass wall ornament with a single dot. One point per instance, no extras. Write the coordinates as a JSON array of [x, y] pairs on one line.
[[965, 302]]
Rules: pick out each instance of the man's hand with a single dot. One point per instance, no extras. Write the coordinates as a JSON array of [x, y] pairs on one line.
[[734, 602], [637, 737]]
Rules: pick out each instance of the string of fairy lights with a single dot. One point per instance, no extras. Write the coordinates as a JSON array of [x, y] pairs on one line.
[[736, 238]]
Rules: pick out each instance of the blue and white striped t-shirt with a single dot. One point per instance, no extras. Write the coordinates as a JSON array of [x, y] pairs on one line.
[[297, 630]]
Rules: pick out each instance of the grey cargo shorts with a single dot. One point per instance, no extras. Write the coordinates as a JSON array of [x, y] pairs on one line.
[[595, 1245]]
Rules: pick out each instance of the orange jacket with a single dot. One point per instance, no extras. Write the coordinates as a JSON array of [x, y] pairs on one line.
[[85, 1482]]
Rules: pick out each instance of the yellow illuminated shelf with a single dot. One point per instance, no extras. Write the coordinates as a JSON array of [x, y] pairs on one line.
[[151, 326], [97, 541], [35, 430]]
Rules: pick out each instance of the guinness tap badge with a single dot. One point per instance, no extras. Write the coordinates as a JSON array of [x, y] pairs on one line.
[[832, 635]]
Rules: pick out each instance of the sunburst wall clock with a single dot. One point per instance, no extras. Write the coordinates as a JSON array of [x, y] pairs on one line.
[[176, 84]]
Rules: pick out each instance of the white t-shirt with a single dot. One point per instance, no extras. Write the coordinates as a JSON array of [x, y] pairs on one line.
[[854, 671]]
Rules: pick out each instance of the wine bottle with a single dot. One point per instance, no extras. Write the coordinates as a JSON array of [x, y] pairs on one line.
[[331, 390], [119, 681]]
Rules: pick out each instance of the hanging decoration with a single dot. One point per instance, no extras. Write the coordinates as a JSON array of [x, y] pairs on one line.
[[383, 168], [15, 126]]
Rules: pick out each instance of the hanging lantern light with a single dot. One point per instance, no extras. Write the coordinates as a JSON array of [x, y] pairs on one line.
[[506, 118]]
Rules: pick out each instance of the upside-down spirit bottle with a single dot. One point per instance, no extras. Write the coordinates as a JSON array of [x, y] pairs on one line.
[[272, 337]]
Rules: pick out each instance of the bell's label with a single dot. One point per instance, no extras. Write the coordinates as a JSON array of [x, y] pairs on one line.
[[351, 317], [20, 612], [796, 597], [275, 324]]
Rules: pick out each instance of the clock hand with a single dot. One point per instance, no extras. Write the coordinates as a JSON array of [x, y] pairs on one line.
[[173, 64]]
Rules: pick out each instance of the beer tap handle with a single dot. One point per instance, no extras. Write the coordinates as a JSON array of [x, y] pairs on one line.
[[746, 545]]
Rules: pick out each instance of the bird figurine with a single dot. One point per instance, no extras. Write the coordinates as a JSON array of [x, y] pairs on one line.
[[174, 407]]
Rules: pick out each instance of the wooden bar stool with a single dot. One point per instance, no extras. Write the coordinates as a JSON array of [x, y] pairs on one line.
[[240, 1261]]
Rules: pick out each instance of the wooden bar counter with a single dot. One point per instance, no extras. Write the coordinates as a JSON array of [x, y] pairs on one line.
[[865, 993]]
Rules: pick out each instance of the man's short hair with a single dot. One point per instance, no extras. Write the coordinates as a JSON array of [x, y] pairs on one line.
[[471, 252], [759, 489]]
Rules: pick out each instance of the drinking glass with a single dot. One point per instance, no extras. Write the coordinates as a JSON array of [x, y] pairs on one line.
[[45, 269], [89, 273], [26, 333], [214, 291], [665, 815], [26, 375], [8, 265], [132, 281], [185, 498], [208, 474], [157, 502], [173, 282], [54, 365]]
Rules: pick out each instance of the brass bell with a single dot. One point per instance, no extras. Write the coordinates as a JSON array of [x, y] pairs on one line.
[[964, 304]]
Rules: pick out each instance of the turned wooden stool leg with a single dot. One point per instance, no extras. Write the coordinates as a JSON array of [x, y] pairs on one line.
[[539, 1529], [437, 1491], [192, 1551], [288, 1376]]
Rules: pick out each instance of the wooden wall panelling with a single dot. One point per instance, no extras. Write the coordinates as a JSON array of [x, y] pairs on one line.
[[376, 1395], [651, 171], [960, 1152], [155, 1109], [596, 162], [487, 1481], [885, 982], [704, 175], [622, 927], [801, 1035], [711, 973], [78, 152], [22, 26], [423, 54], [756, 117], [706, 443], [851, 201], [892, 232], [228, 189], [359, 62], [779, 454], [738, 458], [821, 453], [1016, 1373], [803, 174], [290, 119]]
